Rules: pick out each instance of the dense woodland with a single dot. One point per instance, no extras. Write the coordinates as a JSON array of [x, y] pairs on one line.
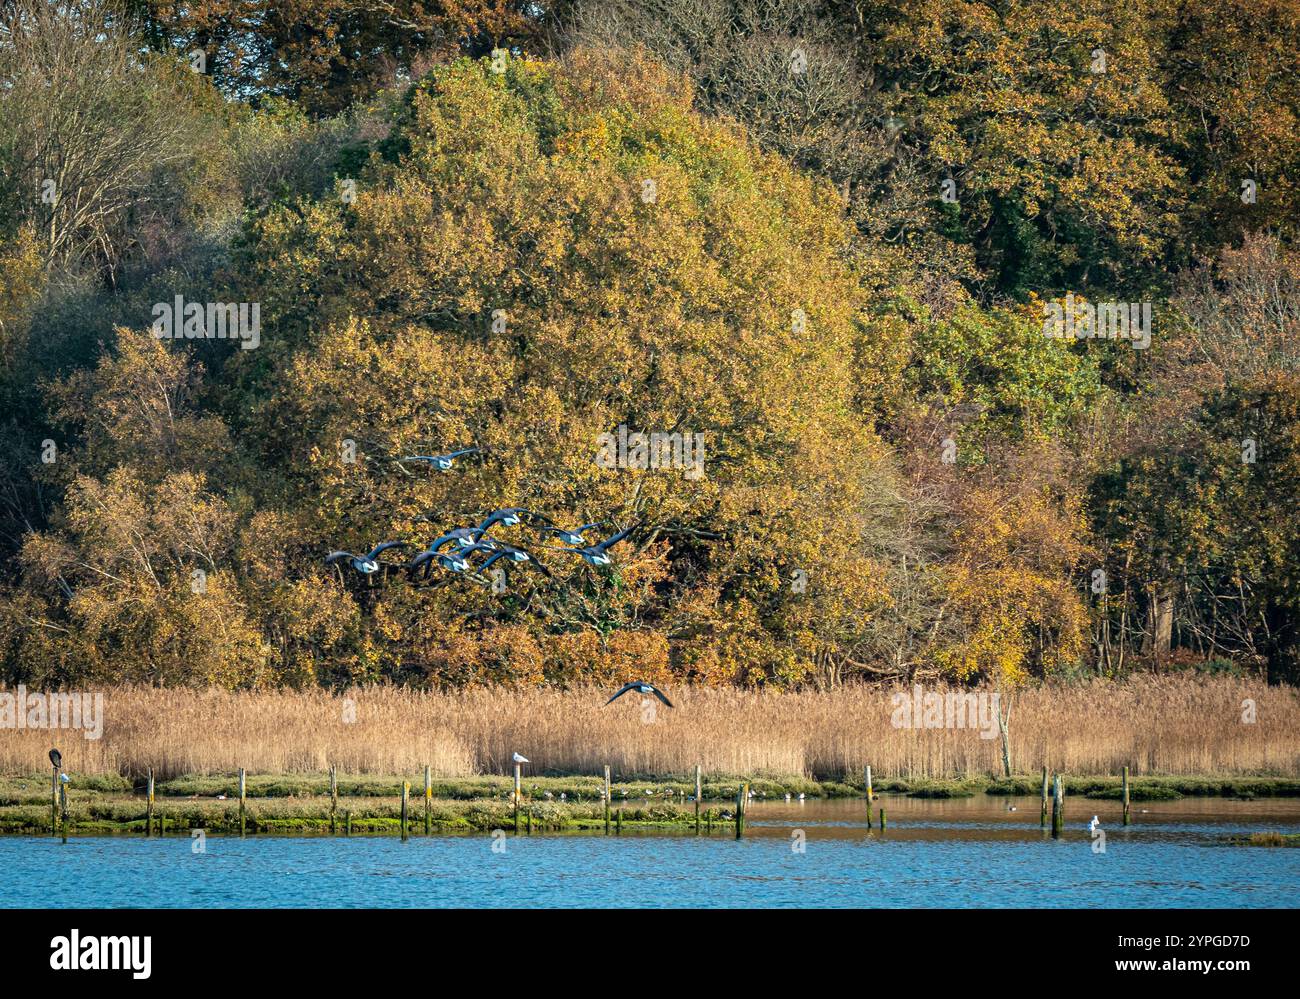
[[859, 210]]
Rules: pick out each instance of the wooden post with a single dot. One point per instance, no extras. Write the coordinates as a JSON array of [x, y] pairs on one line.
[[1042, 811], [530, 820], [148, 805], [742, 795], [869, 792], [606, 799], [243, 796], [406, 797], [63, 808], [347, 821], [1126, 817], [1058, 808], [428, 798], [618, 822], [882, 820], [54, 798], [699, 793], [334, 799], [518, 794]]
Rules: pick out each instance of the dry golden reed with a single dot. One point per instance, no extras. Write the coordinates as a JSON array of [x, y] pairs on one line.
[[1181, 725]]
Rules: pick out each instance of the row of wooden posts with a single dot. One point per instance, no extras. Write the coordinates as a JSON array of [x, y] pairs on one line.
[[59, 803]]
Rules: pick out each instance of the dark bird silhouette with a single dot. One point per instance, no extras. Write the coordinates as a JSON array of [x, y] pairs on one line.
[[442, 462], [641, 687], [365, 564], [598, 554], [56, 758]]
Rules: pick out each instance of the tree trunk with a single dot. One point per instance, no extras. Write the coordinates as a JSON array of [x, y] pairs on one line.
[[1160, 623]]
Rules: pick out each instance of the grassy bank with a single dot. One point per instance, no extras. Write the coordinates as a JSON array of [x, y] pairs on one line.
[[100, 813], [1180, 724]]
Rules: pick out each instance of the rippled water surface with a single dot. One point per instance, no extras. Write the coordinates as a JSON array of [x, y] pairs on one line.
[[964, 853]]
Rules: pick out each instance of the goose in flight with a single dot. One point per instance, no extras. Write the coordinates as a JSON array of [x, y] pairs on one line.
[[598, 554], [641, 687], [442, 462], [465, 537], [509, 516], [573, 537], [514, 554], [365, 564], [510, 551], [456, 561]]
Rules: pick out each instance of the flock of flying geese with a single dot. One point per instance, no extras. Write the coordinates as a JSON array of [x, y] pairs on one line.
[[454, 549]]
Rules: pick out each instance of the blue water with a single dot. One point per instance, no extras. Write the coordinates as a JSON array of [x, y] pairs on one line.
[[933, 854]]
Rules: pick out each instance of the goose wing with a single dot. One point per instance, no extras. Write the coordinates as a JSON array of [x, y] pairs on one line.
[[623, 690], [611, 542]]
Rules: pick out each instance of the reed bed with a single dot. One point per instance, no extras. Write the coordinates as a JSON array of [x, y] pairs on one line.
[[1175, 725]]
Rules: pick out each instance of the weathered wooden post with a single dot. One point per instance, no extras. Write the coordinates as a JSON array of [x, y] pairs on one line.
[[882, 820], [63, 809], [742, 796], [530, 819], [347, 821], [428, 798], [699, 793], [1058, 808], [1126, 818], [618, 822], [607, 803], [148, 804], [406, 798], [1042, 810], [334, 799], [54, 800], [243, 798], [518, 795]]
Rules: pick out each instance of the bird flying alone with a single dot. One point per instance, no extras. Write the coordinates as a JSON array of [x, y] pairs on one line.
[[442, 462], [641, 687], [364, 564]]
